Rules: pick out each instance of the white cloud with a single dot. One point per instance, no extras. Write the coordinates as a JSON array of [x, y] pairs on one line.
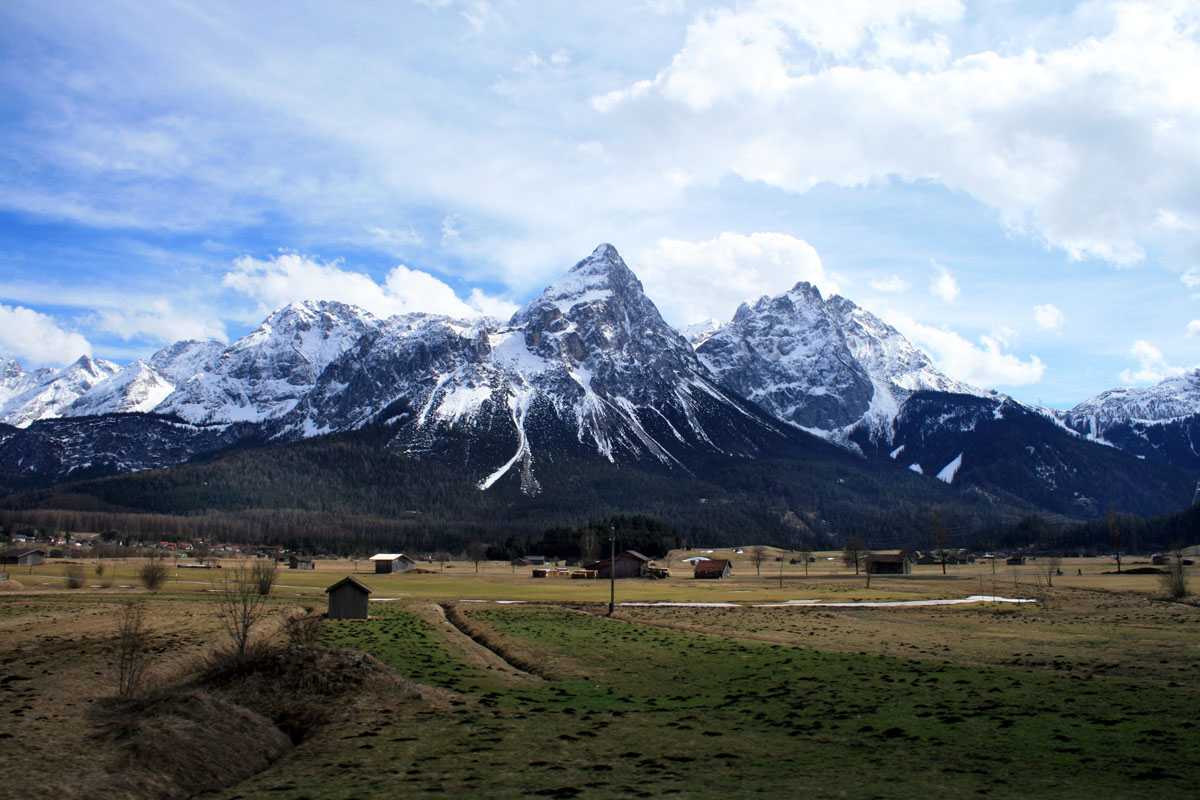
[[1152, 365], [944, 285], [986, 364], [1058, 133], [1191, 278], [1193, 329], [691, 281], [288, 278], [36, 338], [1048, 316], [892, 285], [161, 322]]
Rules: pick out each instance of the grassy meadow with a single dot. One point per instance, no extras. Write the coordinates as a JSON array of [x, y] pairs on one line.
[[1092, 688]]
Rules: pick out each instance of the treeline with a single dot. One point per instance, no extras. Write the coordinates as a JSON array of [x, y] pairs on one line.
[[649, 536], [351, 493]]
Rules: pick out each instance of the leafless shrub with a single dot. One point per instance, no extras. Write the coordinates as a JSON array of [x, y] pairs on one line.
[[241, 604], [302, 630], [75, 576], [131, 650], [1174, 580], [263, 572], [153, 574]]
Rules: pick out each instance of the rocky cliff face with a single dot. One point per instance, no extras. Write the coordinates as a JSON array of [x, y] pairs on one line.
[[829, 367]]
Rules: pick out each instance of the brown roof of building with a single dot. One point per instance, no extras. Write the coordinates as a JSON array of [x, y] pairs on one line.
[[18, 552], [713, 565], [353, 582], [632, 553], [890, 558]]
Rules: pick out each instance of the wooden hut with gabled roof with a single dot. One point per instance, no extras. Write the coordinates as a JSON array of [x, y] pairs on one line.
[[629, 564], [348, 599]]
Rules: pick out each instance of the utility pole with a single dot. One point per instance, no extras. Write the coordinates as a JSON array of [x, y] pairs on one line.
[[612, 568]]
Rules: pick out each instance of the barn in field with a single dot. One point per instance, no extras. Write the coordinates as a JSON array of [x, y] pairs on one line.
[[348, 599], [23, 556], [713, 568], [387, 563], [301, 563], [629, 564], [889, 564]]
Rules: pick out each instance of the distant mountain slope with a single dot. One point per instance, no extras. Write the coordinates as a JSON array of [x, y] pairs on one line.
[[1160, 422], [1002, 448], [29, 396]]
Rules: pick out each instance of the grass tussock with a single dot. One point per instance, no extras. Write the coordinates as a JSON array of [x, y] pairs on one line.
[[176, 743]]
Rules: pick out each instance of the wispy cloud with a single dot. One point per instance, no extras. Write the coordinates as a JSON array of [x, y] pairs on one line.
[[944, 285], [892, 285], [1152, 365], [988, 363]]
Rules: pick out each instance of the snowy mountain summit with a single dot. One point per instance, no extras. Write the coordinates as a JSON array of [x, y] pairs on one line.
[[828, 367], [587, 364]]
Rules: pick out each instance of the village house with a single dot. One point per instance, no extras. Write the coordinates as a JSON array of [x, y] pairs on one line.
[[898, 563], [24, 556], [629, 564], [386, 563], [348, 599], [713, 568]]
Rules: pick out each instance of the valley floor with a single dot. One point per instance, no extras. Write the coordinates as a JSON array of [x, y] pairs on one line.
[[1091, 689]]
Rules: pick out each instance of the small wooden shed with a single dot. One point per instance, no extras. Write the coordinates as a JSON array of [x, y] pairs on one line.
[[889, 564], [348, 599], [23, 556], [1016, 561], [301, 563], [387, 563]]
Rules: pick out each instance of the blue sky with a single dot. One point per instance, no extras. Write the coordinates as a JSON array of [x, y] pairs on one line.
[[1013, 185]]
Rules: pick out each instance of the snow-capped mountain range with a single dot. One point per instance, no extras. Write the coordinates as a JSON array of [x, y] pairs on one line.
[[588, 365]]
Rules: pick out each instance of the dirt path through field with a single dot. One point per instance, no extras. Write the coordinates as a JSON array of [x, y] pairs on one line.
[[473, 651]]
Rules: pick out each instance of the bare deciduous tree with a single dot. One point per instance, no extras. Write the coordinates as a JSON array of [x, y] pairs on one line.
[[939, 536], [855, 553], [805, 555], [477, 551], [589, 547], [1114, 535], [241, 605], [441, 556], [131, 650], [1052, 565], [758, 554]]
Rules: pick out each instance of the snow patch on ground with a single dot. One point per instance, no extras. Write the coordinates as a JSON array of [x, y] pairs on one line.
[[950, 470]]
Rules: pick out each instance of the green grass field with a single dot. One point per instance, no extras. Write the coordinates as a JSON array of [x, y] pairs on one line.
[[641, 711]]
